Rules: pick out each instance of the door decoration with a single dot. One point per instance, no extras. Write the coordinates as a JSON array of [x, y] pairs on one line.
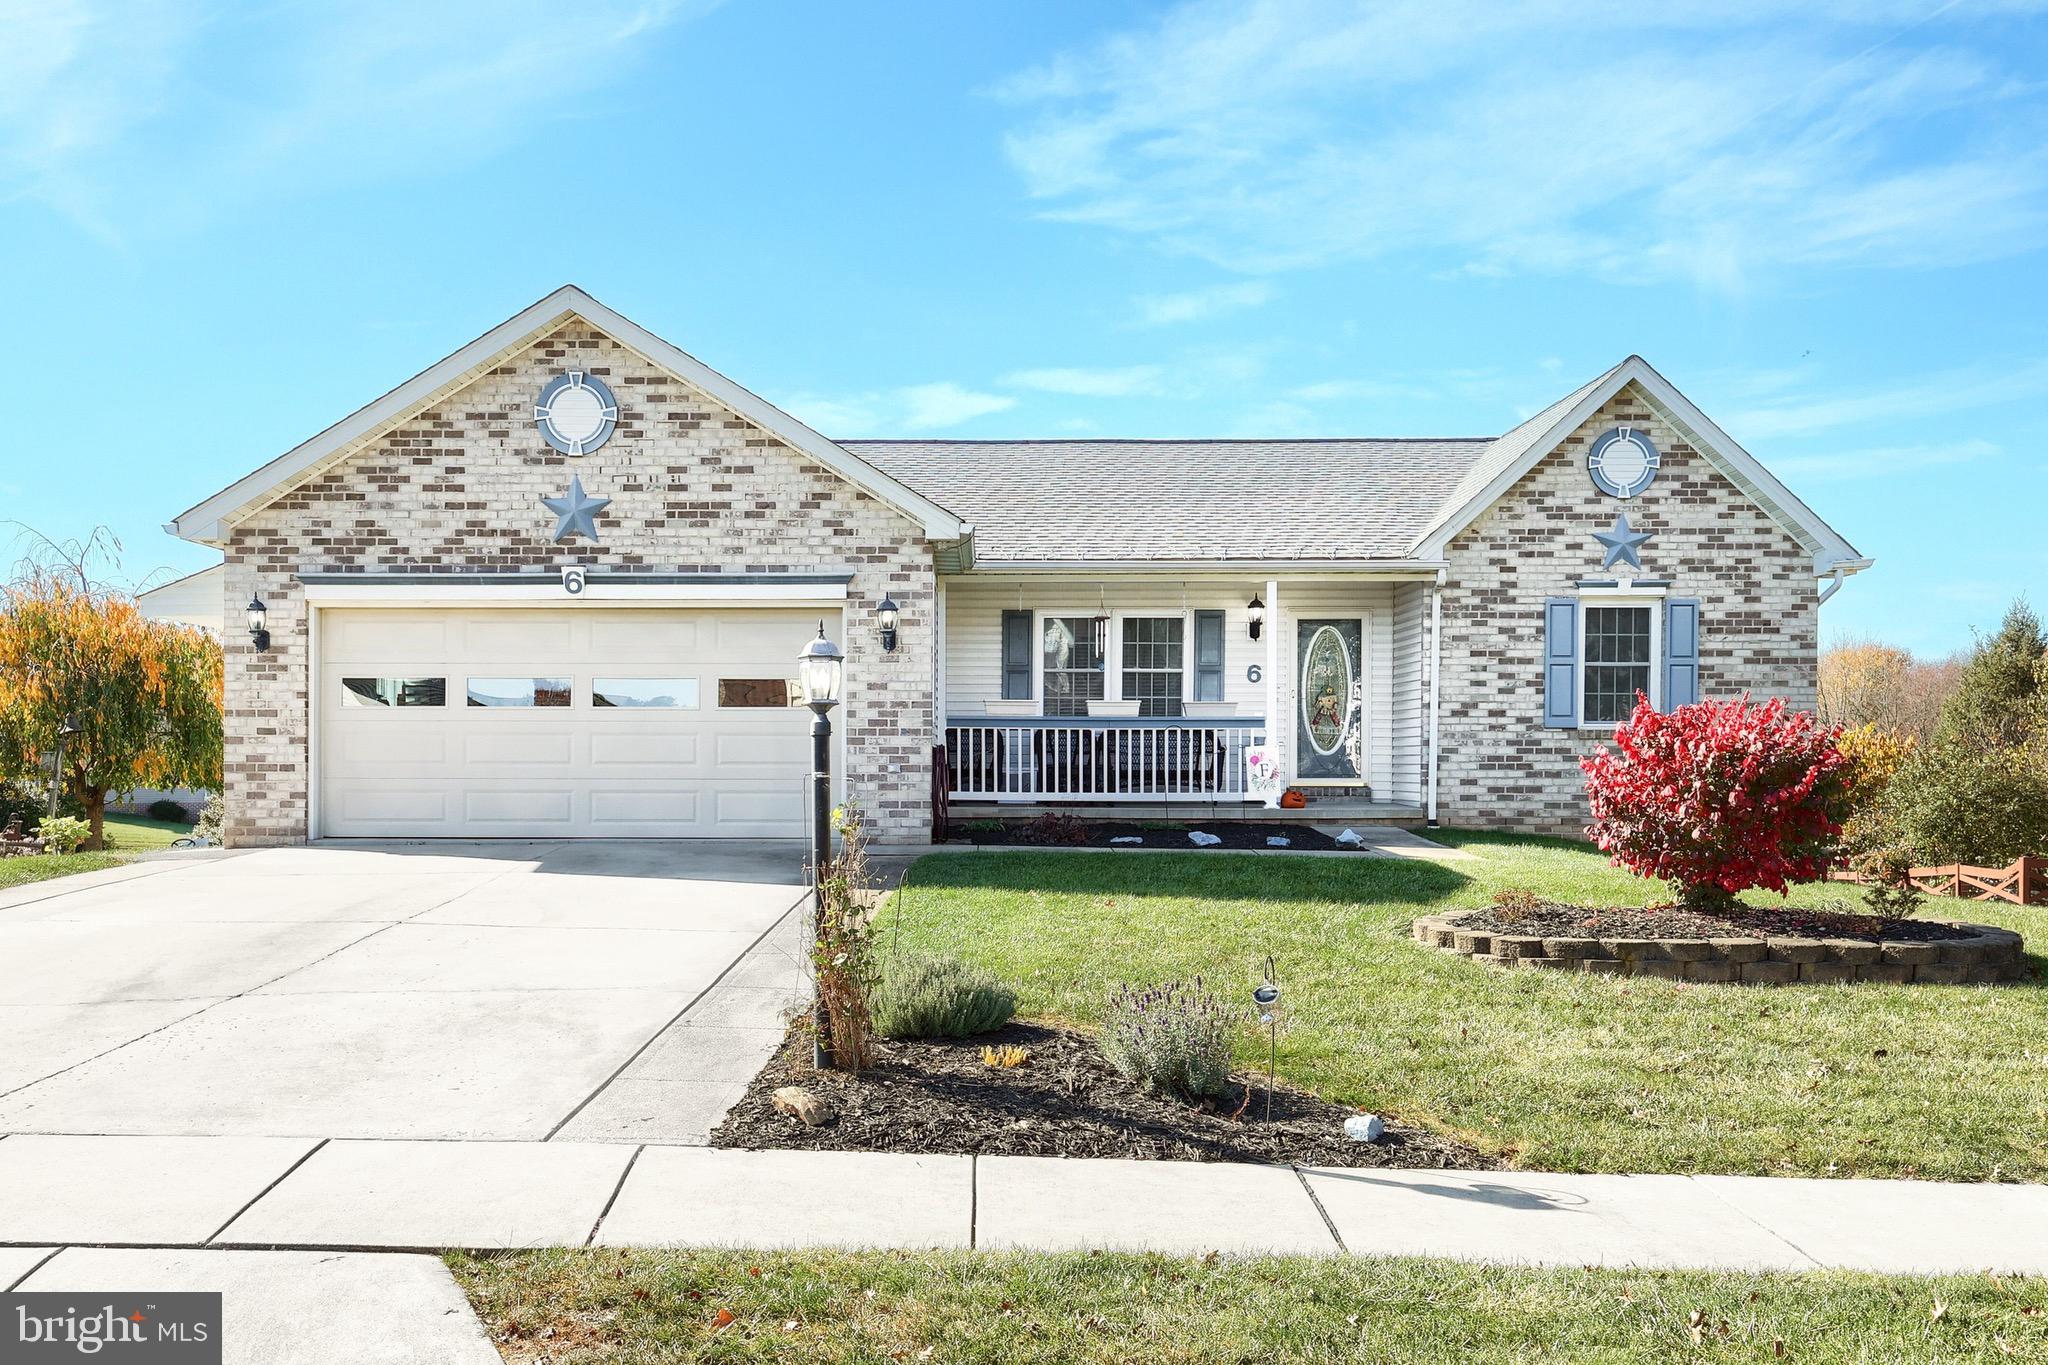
[[576, 413], [575, 512], [1330, 691], [1621, 543], [1622, 462]]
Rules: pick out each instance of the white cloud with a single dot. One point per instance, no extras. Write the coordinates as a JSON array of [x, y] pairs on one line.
[[1880, 461], [1129, 381], [891, 412], [1960, 390], [932, 406], [167, 112], [1196, 305], [1697, 141]]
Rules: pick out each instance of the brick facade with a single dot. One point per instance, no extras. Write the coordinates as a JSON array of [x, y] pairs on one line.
[[1498, 766], [694, 489]]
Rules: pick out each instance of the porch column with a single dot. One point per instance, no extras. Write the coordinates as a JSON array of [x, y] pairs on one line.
[[1276, 743]]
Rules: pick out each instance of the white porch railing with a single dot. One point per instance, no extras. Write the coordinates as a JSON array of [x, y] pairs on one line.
[[1062, 758]]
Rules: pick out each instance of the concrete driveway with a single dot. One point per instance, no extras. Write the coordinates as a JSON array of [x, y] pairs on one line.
[[604, 991]]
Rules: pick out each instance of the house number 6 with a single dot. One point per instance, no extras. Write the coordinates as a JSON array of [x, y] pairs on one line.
[[1254, 673]]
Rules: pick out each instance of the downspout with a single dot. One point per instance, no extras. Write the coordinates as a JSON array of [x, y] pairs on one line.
[[1835, 581], [1436, 664]]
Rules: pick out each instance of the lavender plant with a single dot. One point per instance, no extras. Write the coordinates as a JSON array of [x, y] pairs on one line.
[[1173, 1038]]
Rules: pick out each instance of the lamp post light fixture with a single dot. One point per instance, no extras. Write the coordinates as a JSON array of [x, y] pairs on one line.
[[820, 669], [1255, 614], [259, 616], [890, 613], [67, 729]]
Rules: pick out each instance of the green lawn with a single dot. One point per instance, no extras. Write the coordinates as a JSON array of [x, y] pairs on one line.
[[642, 1307], [129, 834], [1553, 1071]]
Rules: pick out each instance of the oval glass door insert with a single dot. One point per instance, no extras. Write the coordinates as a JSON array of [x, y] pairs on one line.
[[1326, 691]]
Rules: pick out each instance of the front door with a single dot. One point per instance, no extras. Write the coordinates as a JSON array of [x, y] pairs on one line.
[[1329, 673]]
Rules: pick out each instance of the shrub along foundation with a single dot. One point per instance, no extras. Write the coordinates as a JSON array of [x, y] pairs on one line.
[[1984, 956]]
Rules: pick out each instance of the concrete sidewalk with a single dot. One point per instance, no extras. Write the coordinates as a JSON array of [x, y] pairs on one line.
[[283, 1193]]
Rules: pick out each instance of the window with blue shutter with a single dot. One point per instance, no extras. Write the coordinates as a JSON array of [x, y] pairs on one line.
[[1681, 652], [1016, 656], [1561, 662], [1208, 656]]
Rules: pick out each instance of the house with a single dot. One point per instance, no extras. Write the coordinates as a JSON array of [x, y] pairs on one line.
[[1402, 629]]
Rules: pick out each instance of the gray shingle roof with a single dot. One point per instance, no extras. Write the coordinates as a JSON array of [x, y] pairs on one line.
[[1180, 500]]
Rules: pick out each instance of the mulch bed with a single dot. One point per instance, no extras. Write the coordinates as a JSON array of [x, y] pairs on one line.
[[939, 1096], [1551, 919], [1237, 834]]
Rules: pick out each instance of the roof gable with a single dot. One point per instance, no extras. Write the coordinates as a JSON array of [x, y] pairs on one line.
[[1505, 461], [210, 521]]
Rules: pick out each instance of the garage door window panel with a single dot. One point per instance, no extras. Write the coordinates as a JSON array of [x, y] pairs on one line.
[[394, 691], [752, 693], [644, 694], [519, 692]]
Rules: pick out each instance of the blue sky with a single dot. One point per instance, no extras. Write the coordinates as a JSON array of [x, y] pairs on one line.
[[223, 227]]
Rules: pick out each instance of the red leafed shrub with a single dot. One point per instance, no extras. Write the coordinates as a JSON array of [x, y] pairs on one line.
[[1719, 797]]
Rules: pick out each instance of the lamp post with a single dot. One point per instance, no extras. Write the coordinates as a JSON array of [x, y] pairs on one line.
[[67, 729], [819, 669]]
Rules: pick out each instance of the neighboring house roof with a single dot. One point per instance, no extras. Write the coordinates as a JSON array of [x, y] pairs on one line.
[[210, 521], [1072, 501], [194, 600]]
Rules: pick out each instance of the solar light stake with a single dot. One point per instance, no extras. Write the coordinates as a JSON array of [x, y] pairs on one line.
[[1266, 995]]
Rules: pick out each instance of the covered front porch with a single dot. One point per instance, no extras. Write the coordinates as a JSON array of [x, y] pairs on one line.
[[1143, 692]]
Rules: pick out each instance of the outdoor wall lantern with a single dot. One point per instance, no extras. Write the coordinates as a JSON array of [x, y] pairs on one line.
[[1255, 614], [889, 613], [259, 615], [819, 669]]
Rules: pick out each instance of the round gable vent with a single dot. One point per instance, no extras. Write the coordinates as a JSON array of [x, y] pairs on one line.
[[1622, 462], [576, 413]]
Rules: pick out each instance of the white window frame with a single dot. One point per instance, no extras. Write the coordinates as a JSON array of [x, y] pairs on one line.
[[1038, 615], [1186, 617], [1649, 598], [1113, 651]]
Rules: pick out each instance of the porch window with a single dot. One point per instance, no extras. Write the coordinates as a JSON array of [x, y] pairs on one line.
[[1073, 665], [1154, 650], [1619, 647]]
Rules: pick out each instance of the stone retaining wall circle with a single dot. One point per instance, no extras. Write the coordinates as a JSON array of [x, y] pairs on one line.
[[1989, 956]]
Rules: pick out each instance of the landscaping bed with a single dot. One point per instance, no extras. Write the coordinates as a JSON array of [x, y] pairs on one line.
[[939, 1096], [1235, 834], [1746, 944]]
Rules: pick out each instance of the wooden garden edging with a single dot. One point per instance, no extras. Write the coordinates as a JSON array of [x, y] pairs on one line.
[[2024, 882]]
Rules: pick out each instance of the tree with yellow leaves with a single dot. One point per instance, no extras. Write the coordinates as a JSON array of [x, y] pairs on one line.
[[145, 694]]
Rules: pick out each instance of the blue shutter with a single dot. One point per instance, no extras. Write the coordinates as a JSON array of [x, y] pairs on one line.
[[1016, 656], [1681, 652], [1208, 656], [1560, 662]]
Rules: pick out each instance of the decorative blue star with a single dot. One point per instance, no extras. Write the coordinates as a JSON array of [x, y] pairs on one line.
[[1621, 543], [576, 512]]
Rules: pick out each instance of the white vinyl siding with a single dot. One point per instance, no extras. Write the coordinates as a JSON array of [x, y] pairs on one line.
[[1408, 701], [974, 651]]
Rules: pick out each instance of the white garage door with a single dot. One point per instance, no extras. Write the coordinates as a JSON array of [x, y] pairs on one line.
[[580, 721]]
